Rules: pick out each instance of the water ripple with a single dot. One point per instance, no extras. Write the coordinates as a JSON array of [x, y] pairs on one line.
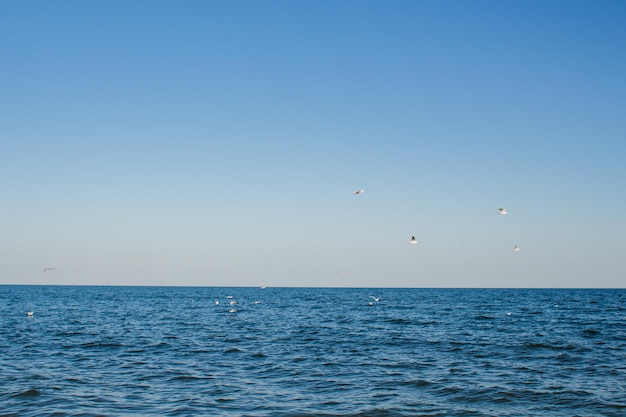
[[108, 351]]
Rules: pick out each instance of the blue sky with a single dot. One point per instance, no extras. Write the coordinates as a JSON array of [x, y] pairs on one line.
[[219, 143]]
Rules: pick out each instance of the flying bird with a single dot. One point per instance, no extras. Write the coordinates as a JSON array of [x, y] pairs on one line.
[[502, 211], [413, 241], [48, 270], [357, 192], [377, 299], [516, 248], [344, 272]]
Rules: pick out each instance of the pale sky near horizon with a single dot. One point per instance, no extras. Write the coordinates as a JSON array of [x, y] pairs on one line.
[[219, 143]]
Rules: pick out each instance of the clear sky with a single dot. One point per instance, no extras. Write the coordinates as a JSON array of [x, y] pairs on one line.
[[219, 143]]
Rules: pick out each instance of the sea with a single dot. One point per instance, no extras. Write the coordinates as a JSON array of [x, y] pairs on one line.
[[287, 352]]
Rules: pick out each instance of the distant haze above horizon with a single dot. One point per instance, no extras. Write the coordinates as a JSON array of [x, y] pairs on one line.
[[223, 143]]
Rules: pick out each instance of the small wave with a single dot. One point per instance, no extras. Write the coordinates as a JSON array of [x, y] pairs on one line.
[[104, 345], [72, 380], [399, 321], [590, 332], [159, 345], [501, 400], [366, 413], [538, 346], [225, 400], [28, 393], [417, 383], [614, 405], [556, 347], [186, 378]]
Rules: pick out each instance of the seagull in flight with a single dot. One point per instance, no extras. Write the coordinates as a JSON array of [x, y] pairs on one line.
[[344, 272], [48, 270], [357, 192], [502, 211], [377, 299], [516, 248], [413, 241]]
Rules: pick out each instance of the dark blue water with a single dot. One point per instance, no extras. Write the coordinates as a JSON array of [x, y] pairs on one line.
[[154, 351]]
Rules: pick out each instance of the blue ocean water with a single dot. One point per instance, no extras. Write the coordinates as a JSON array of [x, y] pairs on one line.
[[170, 351]]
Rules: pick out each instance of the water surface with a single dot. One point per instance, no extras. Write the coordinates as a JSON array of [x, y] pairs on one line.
[[167, 351]]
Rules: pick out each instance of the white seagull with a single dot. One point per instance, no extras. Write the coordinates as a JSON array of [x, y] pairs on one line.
[[344, 272], [516, 248], [29, 313], [502, 211], [413, 241], [357, 192], [49, 270], [377, 299]]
